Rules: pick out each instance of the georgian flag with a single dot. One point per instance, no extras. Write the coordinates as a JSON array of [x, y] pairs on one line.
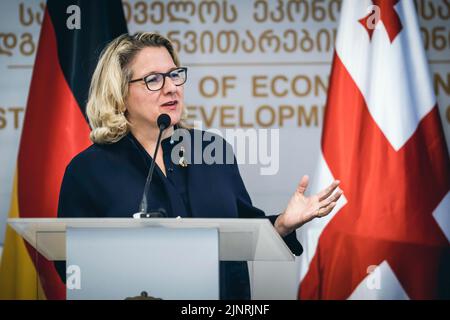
[[388, 237]]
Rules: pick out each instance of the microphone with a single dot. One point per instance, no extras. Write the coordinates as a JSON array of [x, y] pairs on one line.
[[163, 122]]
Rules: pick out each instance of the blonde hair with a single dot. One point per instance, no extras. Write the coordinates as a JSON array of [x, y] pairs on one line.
[[106, 108]]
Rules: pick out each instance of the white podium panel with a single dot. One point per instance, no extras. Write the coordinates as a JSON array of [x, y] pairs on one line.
[[121, 263]]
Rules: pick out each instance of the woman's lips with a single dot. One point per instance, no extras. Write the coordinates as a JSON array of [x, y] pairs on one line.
[[171, 105]]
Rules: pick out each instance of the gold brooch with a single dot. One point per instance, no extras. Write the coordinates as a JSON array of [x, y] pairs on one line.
[[182, 162]]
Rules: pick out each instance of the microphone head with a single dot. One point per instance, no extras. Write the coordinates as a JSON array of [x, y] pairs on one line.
[[163, 121]]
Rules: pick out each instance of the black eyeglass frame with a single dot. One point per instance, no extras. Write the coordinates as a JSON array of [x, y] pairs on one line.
[[164, 75]]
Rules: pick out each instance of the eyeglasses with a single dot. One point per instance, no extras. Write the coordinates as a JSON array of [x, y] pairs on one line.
[[156, 81]]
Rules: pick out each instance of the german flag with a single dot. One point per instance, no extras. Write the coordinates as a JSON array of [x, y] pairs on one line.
[[55, 129]]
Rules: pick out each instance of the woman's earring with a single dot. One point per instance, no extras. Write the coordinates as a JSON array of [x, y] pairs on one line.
[[182, 162]]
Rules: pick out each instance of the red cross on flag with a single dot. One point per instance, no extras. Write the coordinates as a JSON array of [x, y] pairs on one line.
[[388, 237]]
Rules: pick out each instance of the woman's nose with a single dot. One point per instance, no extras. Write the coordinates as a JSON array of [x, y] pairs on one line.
[[169, 86]]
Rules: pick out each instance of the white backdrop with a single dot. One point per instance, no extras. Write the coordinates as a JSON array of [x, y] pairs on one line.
[[258, 64]]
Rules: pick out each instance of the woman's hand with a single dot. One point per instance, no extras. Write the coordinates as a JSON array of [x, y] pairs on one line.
[[302, 209]]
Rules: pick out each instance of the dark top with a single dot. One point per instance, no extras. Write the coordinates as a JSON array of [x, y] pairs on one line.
[[107, 180]]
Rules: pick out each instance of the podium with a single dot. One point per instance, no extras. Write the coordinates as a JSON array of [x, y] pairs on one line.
[[168, 258]]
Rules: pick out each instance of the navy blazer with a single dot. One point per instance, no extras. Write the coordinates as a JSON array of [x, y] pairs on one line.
[[107, 180]]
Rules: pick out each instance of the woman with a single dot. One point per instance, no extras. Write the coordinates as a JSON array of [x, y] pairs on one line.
[[138, 78]]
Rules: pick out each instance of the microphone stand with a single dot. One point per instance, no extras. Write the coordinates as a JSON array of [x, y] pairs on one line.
[[158, 213]]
